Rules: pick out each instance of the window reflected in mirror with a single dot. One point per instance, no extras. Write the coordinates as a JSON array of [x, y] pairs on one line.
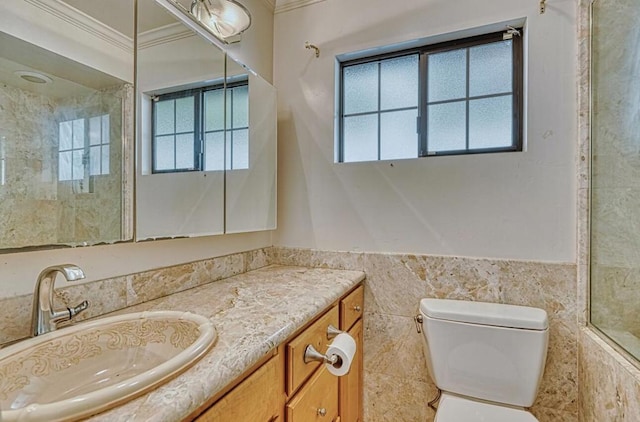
[[65, 127]]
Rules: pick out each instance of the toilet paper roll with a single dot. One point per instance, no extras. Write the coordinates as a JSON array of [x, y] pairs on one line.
[[344, 347]]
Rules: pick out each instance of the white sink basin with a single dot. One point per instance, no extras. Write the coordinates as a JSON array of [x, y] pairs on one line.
[[81, 370]]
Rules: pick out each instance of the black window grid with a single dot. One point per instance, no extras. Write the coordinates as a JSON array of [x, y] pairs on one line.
[[423, 103], [199, 132]]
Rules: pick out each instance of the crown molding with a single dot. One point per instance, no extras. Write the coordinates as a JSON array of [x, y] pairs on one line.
[[286, 5], [168, 33], [271, 4], [84, 22]]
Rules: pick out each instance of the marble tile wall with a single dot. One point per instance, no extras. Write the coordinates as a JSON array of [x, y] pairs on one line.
[[117, 293], [608, 383], [615, 165], [397, 385], [29, 190], [35, 209]]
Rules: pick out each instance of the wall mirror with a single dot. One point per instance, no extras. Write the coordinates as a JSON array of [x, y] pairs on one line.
[[206, 131], [251, 175], [66, 127], [180, 170]]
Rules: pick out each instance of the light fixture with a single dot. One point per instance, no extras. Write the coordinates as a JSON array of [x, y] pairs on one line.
[[225, 18], [33, 77]]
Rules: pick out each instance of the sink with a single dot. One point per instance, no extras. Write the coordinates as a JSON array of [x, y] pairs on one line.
[[83, 369]]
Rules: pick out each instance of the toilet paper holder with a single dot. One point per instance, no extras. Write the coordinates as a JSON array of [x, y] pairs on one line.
[[312, 355]]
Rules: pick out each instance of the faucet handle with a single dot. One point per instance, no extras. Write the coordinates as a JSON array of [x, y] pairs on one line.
[[77, 309]]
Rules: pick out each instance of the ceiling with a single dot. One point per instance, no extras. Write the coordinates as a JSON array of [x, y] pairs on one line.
[[118, 14]]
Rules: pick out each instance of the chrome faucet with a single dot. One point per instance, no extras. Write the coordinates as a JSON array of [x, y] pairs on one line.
[[45, 318]]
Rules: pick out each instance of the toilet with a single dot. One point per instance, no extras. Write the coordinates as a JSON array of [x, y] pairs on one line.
[[486, 358]]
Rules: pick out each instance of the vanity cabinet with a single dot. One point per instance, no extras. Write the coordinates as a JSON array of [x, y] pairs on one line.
[[286, 389], [258, 398]]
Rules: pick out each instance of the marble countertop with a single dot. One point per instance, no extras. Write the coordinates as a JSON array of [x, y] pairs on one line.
[[253, 313]]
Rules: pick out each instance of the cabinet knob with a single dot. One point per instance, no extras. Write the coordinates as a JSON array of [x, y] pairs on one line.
[[357, 308], [322, 412]]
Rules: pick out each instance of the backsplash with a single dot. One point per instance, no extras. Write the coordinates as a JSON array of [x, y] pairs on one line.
[[397, 385], [113, 294]]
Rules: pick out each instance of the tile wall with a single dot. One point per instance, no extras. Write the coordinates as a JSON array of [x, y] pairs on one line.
[[397, 385]]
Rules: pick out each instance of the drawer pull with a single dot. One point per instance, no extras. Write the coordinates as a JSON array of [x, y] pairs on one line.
[[274, 418], [322, 412], [357, 308]]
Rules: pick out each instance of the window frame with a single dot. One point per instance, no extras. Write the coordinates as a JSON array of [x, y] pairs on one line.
[[86, 148], [199, 133], [422, 119]]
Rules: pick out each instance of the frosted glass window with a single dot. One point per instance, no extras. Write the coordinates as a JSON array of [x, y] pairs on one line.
[[490, 122], [455, 97], [65, 134], [185, 118], [361, 138], [78, 133], [214, 110], [165, 153], [99, 145], [210, 129], [399, 81], [214, 151], [240, 149], [165, 117], [78, 165], [447, 127], [398, 135], [64, 166], [95, 130], [95, 160], [79, 148], [491, 68], [360, 83], [240, 106], [447, 78], [106, 129], [175, 122], [184, 152]]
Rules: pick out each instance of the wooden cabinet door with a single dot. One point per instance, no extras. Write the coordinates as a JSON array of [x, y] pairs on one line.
[[317, 401], [316, 335], [351, 308], [351, 384], [259, 398]]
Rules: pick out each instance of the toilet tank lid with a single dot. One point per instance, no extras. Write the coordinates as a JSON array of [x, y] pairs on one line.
[[483, 313]]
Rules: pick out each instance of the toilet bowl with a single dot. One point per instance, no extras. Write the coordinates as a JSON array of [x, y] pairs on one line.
[[452, 408], [486, 358]]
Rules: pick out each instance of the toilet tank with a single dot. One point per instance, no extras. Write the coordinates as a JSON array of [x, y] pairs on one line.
[[484, 350]]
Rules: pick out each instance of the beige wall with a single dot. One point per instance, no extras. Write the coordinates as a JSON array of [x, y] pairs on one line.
[[509, 205]]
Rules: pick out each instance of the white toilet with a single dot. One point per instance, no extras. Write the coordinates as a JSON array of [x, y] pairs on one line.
[[487, 358]]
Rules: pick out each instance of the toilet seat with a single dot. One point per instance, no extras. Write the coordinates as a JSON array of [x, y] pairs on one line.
[[458, 409]]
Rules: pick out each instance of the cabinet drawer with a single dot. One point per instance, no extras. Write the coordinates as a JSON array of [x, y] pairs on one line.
[[351, 308], [316, 335], [317, 401], [257, 399]]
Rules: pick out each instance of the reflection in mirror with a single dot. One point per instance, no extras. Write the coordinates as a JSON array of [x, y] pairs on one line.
[[65, 126], [180, 183], [251, 142]]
